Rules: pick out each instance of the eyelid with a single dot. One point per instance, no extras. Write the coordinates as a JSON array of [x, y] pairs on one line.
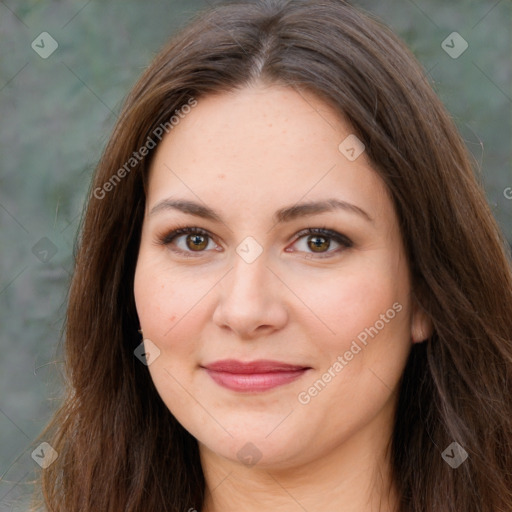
[[325, 231]]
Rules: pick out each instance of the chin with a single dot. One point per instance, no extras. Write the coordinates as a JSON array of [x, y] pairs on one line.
[[259, 446]]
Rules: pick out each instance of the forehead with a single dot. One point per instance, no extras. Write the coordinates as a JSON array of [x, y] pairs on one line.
[[267, 121], [262, 145]]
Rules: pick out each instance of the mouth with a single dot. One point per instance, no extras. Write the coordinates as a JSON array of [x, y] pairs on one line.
[[253, 376]]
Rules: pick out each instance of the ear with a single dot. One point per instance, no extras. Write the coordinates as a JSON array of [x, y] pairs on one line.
[[421, 324]]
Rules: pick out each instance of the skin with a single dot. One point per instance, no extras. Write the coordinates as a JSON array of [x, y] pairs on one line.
[[247, 154]]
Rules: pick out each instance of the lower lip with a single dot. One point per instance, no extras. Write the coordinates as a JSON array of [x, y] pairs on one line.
[[254, 381]]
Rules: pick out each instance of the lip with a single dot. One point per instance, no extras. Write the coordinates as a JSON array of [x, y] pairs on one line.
[[253, 376]]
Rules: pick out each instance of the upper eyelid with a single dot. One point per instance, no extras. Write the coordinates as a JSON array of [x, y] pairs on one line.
[[300, 233]]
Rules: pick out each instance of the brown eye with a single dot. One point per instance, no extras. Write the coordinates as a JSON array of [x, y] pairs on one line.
[[318, 243], [196, 242]]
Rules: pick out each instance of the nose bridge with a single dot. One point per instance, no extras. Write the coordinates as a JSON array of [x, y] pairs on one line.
[[246, 301], [250, 273]]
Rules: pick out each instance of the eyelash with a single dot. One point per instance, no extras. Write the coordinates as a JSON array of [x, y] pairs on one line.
[[323, 231]]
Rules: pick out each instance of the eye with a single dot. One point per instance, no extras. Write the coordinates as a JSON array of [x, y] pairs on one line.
[[318, 239], [197, 240]]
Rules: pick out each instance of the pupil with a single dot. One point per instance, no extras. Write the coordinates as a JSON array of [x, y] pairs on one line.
[[318, 241], [196, 241]]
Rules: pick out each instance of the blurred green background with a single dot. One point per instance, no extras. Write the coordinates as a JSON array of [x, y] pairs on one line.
[[56, 114]]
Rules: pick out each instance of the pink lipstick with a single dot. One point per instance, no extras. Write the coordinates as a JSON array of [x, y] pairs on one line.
[[253, 376]]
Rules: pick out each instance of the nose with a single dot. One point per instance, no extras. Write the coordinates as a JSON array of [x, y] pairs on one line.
[[251, 301]]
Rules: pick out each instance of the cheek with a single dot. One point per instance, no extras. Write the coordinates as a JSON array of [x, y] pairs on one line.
[[164, 298], [366, 321], [171, 306], [362, 360], [342, 306], [372, 321], [166, 314]]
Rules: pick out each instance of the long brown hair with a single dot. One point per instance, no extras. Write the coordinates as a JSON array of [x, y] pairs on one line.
[[120, 448]]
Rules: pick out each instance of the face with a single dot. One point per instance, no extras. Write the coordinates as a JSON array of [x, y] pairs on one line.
[[253, 284]]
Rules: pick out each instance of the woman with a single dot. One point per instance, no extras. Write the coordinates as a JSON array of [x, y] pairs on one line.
[[287, 214]]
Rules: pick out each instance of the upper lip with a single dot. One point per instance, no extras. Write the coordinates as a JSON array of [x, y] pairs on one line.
[[258, 366]]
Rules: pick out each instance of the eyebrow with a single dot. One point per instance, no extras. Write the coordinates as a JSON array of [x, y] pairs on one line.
[[286, 214]]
